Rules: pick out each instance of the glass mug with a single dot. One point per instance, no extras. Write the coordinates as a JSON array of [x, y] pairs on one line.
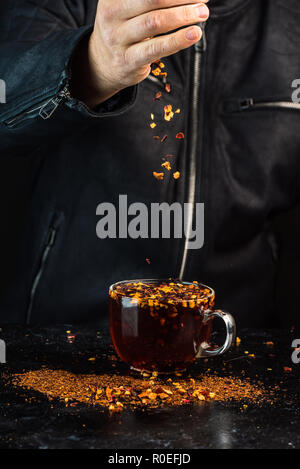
[[167, 334]]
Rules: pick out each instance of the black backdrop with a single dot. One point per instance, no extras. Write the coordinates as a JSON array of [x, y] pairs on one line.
[[16, 179], [288, 291]]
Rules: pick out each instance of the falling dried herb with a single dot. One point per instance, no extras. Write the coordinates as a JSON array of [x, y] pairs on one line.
[[166, 165], [158, 176], [169, 114], [158, 96]]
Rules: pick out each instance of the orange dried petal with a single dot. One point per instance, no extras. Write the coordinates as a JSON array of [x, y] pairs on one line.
[[158, 176]]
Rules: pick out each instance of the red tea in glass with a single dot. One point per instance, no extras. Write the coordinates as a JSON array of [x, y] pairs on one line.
[[163, 325]]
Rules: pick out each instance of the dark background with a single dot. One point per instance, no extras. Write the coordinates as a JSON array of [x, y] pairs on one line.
[[16, 176], [287, 228]]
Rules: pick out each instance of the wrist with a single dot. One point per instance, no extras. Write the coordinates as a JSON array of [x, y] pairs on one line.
[[87, 83]]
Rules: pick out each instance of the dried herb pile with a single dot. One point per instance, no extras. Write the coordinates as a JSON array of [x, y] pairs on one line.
[[117, 392]]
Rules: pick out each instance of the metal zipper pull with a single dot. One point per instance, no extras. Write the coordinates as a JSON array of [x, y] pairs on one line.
[[44, 109], [238, 105], [48, 109], [245, 104], [51, 237]]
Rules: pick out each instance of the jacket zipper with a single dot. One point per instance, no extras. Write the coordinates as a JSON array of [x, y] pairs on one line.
[[248, 104], [45, 110], [200, 49], [50, 241]]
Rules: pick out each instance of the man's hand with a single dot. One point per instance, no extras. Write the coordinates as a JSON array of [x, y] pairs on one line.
[[128, 36]]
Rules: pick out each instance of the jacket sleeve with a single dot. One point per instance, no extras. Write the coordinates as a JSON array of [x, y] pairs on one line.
[[37, 41]]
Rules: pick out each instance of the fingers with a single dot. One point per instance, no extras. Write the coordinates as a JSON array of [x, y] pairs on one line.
[[133, 8], [153, 49], [162, 21]]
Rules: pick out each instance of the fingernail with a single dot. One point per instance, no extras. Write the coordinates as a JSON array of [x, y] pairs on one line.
[[202, 11], [192, 34]]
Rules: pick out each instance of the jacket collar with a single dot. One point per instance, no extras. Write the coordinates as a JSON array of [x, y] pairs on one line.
[[225, 7]]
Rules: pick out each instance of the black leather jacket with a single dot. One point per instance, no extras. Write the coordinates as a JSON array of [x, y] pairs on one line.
[[240, 157]]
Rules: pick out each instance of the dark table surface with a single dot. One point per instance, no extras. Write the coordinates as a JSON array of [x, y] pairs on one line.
[[43, 424]]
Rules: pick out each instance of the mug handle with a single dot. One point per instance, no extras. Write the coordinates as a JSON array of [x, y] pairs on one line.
[[230, 333]]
